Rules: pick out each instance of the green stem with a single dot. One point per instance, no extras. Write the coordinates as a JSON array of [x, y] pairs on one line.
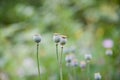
[[38, 61], [58, 60], [61, 75], [75, 74], [57, 53], [88, 71], [69, 73], [83, 75]]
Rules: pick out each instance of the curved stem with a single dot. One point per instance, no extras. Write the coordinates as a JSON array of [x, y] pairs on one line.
[[38, 61]]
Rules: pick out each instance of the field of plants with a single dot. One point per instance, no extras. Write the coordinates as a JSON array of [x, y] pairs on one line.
[[59, 39]]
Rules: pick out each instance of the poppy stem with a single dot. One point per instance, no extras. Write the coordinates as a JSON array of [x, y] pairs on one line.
[[61, 74], [38, 62]]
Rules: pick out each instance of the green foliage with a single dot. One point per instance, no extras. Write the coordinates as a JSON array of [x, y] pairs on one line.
[[85, 22]]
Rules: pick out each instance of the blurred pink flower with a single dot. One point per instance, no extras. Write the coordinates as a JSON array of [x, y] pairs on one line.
[[108, 43]]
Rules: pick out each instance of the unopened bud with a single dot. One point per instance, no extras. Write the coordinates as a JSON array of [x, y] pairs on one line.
[[56, 38], [37, 38], [63, 40], [97, 76]]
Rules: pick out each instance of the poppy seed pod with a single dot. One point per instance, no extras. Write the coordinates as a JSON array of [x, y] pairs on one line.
[[97, 76], [88, 57], [109, 52], [63, 40], [56, 38], [74, 63], [37, 38], [82, 64], [69, 58]]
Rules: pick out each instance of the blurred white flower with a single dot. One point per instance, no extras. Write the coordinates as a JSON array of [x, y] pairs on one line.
[[108, 43], [37, 38], [88, 57], [109, 52], [97, 76]]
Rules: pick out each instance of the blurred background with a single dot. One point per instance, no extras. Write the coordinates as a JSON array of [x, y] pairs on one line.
[[92, 26]]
